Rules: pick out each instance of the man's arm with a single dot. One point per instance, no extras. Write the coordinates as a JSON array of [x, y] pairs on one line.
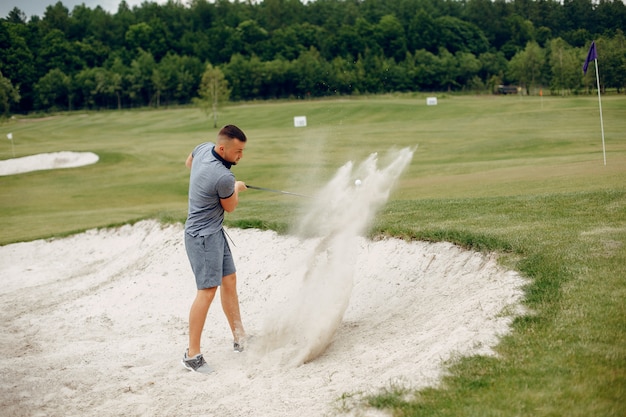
[[230, 204], [189, 161]]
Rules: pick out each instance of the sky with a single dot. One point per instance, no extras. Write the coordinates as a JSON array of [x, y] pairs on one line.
[[38, 7]]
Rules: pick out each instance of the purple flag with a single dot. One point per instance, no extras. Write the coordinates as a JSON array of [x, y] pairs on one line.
[[592, 55]]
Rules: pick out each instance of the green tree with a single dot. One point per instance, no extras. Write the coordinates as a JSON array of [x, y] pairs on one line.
[[611, 14], [8, 94], [390, 36], [423, 67], [56, 17], [139, 36], [526, 66], [275, 14], [279, 81], [119, 73], [188, 78], [284, 42], [113, 29], [312, 74], [252, 36], [170, 70], [422, 32], [565, 67], [366, 31], [346, 42], [490, 16], [522, 30], [100, 86], [213, 91], [578, 14], [57, 52], [226, 43], [265, 47], [53, 90], [161, 40], [492, 64], [371, 68], [159, 83], [16, 16], [17, 60], [457, 35], [468, 68], [140, 78], [88, 85], [202, 15], [448, 70], [396, 76], [244, 76], [105, 87], [611, 61], [92, 51]]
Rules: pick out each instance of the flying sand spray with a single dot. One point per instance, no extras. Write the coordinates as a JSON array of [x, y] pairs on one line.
[[300, 329]]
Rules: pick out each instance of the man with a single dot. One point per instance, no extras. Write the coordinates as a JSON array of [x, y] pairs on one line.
[[212, 190]]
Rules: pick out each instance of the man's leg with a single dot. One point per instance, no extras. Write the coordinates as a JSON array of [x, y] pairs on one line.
[[230, 304], [197, 317]]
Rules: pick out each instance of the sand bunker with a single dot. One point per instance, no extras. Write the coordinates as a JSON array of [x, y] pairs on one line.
[[96, 323], [43, 161]]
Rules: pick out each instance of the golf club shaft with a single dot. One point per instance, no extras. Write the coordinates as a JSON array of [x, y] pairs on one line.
[[274, 191]]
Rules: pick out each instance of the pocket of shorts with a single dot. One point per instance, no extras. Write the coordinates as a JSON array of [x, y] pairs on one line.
[[207, 243]]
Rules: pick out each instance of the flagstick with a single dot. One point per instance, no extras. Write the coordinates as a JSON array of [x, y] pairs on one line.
[[600, 104]]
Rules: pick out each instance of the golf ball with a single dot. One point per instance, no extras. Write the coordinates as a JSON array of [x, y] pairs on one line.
[[357, 182]]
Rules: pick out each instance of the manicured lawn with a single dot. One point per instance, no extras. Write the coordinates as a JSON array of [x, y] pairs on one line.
[[521, 176]]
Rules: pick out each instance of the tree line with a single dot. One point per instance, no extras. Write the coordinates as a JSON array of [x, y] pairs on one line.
[[157, 55]]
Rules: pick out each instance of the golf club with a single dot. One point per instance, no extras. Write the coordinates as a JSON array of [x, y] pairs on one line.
[[275, 191]]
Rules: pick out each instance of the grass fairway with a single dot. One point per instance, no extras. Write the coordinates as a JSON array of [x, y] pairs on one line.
[[522, 176]]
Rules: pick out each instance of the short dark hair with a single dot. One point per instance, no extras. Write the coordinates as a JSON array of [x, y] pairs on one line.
[[233, 132]]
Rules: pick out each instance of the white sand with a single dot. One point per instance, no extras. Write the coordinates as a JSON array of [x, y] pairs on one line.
[[43, 161], [96, 323]]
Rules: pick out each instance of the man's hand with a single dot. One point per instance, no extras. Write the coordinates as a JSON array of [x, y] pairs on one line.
[[240, 186]]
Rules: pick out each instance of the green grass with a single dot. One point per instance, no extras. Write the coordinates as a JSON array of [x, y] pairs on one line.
[[523, 177], [568, 358]]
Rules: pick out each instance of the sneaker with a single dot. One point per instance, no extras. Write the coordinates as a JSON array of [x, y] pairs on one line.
[[196, 364], [237, 347]]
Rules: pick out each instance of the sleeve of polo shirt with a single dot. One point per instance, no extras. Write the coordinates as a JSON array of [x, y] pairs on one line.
[[226, 186]]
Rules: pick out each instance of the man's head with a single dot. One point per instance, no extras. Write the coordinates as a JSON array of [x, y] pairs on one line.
[[231, 142]]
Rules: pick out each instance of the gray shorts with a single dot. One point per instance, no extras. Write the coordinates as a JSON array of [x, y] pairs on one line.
[[210, 259]]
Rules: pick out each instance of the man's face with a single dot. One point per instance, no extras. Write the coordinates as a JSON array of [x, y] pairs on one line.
[[233, 150]]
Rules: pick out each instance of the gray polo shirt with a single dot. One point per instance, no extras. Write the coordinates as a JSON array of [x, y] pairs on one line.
[[210, 180]]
